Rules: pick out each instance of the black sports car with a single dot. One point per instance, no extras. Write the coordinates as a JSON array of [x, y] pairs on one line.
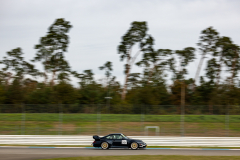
[[117, 140]]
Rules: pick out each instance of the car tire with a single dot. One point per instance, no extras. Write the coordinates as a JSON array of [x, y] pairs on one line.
[[104, 145], [134, 145]]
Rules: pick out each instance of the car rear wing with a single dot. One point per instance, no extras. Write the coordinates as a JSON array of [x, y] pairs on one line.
[[96, 137]]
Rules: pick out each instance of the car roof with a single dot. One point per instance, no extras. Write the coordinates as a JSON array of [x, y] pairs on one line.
[[113, 134]]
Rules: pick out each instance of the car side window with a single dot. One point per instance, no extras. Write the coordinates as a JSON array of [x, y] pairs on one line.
[[109, 137], [117, 136]]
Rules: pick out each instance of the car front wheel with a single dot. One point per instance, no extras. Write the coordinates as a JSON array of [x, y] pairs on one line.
[[134, 146]]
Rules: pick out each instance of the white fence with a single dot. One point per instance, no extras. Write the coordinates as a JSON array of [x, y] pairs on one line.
[[150, 140]]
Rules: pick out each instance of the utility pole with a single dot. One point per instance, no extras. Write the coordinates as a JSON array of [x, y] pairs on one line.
[[60, 118], [182, 101], [182, 107], [108, 98], [23, 119], [108, 103]]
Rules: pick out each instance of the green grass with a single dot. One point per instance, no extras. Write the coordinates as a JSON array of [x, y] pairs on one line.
[[116, 117], [151, 157], [130, 124]]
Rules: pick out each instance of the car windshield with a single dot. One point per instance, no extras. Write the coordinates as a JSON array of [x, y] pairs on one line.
[[125, 136]]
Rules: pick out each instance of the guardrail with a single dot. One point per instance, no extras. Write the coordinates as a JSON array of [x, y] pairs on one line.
[[150, 140]]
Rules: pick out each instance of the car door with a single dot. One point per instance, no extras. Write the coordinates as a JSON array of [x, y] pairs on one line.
[[119, 141], [124, 142], [109, 139]]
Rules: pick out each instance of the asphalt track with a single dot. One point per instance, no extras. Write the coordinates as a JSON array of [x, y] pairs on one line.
[[12, 153]]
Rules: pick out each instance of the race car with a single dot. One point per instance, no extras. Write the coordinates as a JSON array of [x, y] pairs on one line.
[[117, 140]]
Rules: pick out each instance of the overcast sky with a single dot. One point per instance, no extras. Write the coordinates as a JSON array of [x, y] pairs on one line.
[[98, 26]]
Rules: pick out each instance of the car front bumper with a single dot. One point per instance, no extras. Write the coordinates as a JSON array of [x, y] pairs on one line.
[[142, 145]]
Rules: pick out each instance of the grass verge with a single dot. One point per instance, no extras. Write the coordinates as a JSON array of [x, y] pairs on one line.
[[50, 117], [153, 157], [86, 124]]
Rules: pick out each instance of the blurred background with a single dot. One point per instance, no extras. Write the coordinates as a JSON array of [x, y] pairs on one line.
[[179, 78]]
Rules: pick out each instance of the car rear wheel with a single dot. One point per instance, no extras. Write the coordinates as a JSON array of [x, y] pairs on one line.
[[134, 145], [104, 145]]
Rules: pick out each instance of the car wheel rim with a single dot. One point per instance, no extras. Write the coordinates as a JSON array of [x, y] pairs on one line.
[[134, 146], [104, 145]]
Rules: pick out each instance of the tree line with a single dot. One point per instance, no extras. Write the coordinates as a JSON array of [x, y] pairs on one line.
[[22, 82]]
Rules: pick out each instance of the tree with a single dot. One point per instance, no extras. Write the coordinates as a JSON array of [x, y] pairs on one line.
[[2, 93], [15, 92], [136, 34], [16, 67], [155, 62], [150, 88], [63, 77], [42, 95], [90, 92], [222, 48], [52, 47], [227, 53], [59, 65], [134, 80], [212, 70], [86, 78], [207, 44], [185, 56], [232, 61], [108, 68], [65, 93]]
